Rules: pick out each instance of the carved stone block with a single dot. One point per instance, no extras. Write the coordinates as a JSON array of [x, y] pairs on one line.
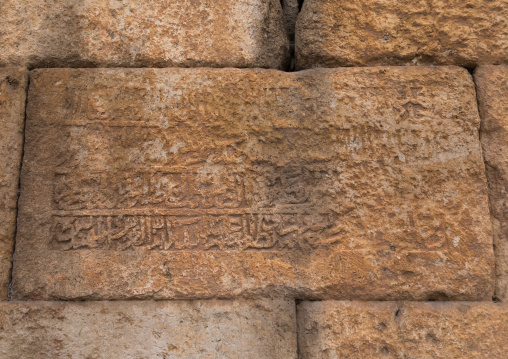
[[492, 85], [333, 33], [129, 33], [147, 329], [13, 84], [200, 183], [358, 330]]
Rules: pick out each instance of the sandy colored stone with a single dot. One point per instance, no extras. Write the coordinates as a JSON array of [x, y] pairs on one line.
[[408, 330], [492, 87], [147, 329], [13, 86], [128, 33], [199, 183], [333, 33]]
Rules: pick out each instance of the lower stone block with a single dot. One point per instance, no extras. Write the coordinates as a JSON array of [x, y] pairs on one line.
[[204, 329], [402, 330]]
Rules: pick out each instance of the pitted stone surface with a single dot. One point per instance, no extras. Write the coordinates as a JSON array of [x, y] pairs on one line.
[[113, 33], [13, 85], [200, 183], [492, 85], [171, 330], [353, 330], [333, 33]]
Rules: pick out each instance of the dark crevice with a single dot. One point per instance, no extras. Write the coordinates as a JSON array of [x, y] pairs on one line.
[[9, 289], [289, 14], [398, 312], [297, 302], [471, 72], [300, 5], [438, 296], [292, 63]]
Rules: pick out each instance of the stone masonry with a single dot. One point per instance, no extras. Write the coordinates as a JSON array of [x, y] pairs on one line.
[[330, 33], [198, 329], [402, 330], [119, 33], [203, 183], [263, 179]]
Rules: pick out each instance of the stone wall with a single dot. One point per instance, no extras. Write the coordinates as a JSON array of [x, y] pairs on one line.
[[170, 187]]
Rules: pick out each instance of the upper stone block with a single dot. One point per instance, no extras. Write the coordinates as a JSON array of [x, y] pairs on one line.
[[492, 85], [333, 33], [13, 86], [194, 183], [129, 33]]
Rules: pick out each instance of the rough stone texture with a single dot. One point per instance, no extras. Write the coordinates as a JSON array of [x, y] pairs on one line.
[[170, 330], [13, 84], [402, 330], [201, 183], [128, 33], [333, 33], [492, 86]]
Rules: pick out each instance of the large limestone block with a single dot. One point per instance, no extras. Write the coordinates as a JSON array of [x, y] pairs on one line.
[[333, 33], [145, 329], [201, 183], [13, 86], [352, 330], [492, 85], [153, 33]]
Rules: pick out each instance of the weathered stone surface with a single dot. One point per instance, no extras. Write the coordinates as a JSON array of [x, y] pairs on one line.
[[198, 183], [402, 330], [171, 330], [128, 33], [334, 33], [13, 83], [492, 85]]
